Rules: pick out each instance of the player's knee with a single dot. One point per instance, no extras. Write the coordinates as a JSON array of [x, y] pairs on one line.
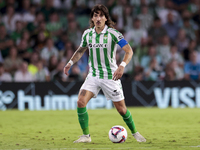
[[122, 111], [81, 102]]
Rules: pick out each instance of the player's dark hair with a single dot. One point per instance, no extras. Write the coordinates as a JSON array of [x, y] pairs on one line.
[[104, 10]]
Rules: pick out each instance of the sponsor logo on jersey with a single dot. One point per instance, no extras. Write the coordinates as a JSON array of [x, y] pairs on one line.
[[97, 45]]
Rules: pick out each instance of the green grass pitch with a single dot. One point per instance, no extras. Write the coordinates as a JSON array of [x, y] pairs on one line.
[[56, 130]]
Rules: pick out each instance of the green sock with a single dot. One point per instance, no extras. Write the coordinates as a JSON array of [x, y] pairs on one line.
[[83, 119], [129, 121]]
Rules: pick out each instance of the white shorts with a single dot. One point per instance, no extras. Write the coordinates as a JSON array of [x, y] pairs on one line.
[[111, 89]]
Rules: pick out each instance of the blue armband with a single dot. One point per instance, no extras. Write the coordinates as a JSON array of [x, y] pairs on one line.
[[122, 43]]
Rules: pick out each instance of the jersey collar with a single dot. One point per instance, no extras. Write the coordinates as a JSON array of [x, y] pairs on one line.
[[103, 31]]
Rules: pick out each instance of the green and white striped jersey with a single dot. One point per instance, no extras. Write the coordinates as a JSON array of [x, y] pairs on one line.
[[102, 51]]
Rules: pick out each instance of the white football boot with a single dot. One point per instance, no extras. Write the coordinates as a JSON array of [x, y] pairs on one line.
[[84, 139], [139, 137]]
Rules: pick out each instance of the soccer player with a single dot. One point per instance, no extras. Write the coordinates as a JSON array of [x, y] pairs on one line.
[[101, 39]]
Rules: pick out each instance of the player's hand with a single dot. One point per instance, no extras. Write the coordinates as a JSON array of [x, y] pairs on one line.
[[66, 68], [118, 73]]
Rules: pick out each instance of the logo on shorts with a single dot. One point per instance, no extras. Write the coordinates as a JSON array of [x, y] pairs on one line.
[[116, 93]]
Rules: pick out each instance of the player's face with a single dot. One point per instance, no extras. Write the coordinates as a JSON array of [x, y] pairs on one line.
[[99, 19]]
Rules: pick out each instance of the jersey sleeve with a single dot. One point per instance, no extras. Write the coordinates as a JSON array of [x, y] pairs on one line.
[[118, 38], [84, 40]]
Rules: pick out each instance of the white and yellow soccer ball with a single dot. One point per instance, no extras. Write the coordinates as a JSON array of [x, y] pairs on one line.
[[118, 134]]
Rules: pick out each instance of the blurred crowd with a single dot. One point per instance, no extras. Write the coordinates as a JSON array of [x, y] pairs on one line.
[[38, 37]]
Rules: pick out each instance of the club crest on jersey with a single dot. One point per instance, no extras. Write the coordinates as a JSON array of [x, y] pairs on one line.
[[105, 37], [98, 45]]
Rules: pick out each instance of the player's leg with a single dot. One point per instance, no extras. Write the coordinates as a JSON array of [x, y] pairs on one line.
[[127, 117], [89, 89], [83, 98], [113, 91]]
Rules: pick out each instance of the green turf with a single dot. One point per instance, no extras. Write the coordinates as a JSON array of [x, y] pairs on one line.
[[56, 130]]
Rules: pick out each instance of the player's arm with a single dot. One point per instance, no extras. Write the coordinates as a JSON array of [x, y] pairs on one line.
[[76, 56], [127, 57], [128, 53]]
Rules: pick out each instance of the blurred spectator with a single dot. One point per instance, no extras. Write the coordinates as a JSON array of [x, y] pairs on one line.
[[10, 19], [26, 37], [67, 53], [154, 70], [16, 35], [30, 15], [83, 65], [186, 52], [128, 17], [13, 61], [70, 17], [187, 21], [156, 31], [179, 72], [189, 30], [140, 51], [146, 59], [138, 74], [4, 76], [40, 41], [58, 74], [47, 9], [117, 13], [54, 26], [24, 51], [180, 5], [163, 14], [160, 7], [42, 28], [48, 51], [22, 74], [24, 6], [81, 8], [171, 27], [60, 44], [145, 17], [42, 73], [174, 55], [182, 41], [5, 41], [135, 35], [192, 68], [163, 49], [52, 64], [75, 74], [32, 67], [193, 6], [33, 26], [74, 33], [170, 74]]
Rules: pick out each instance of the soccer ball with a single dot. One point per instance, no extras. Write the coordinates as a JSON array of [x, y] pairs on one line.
[[117, 134]]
